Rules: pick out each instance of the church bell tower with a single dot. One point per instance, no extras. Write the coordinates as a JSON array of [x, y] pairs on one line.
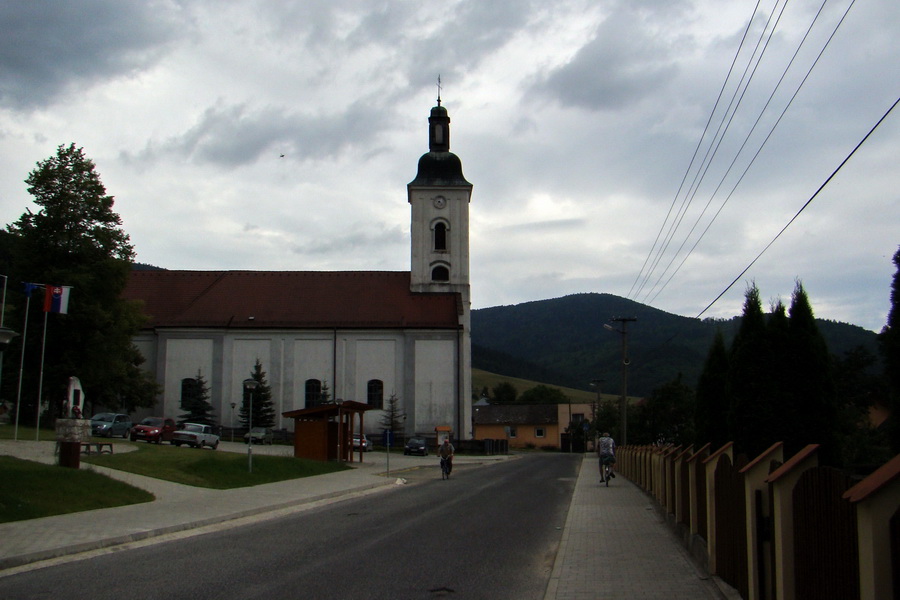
[[439, 197], [439, 201]]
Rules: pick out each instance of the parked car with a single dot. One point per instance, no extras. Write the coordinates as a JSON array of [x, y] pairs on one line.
[[153, 429], [259, 435], [110, 425], [416, 445], [196, 435], [361, 441]]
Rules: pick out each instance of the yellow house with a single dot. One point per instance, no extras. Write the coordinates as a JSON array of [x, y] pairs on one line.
[[527, 425], [523, 425]]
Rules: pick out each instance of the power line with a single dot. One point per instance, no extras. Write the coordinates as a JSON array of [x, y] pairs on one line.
[[739, 93], [802, 208], [697, 149], [761, 146]]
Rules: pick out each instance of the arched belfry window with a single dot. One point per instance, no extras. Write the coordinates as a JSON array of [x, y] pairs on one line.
[[375, 393], [440, 237], [313, 392], [440, 273]]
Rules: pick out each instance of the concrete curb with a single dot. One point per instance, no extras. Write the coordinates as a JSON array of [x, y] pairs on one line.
[[24, 559]]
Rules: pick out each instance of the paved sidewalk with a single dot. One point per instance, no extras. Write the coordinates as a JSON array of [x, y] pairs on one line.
[[615, 545]]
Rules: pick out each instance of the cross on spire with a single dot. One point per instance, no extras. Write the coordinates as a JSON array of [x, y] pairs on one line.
[[439, 90]]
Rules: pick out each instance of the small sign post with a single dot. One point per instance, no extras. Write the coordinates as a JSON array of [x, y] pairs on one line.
[[387, 440]]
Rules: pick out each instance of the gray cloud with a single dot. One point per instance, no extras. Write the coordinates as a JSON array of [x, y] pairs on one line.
[[237, 135], [49, 47], [620, 67]]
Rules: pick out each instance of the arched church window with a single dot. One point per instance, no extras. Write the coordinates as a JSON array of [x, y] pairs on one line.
[[375, 393], [440, 273], [313, 392], [190, 392], [440, 237]]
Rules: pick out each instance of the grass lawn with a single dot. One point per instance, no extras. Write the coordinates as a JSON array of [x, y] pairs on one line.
[[210, 468], [7, 432], [31, 490]]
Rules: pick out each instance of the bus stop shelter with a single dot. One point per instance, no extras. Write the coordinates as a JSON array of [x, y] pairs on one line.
[[325, 432]]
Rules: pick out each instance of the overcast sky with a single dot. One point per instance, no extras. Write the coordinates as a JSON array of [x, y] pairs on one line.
[[576, 121]]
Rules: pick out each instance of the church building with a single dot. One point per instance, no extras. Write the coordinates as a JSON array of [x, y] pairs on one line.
[[331, 335]]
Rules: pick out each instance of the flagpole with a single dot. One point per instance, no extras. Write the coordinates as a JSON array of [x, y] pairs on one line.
[[37, 430], [21, 364]]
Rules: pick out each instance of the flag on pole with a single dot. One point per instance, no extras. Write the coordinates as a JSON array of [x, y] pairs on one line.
[[30, 287], [56, 299]]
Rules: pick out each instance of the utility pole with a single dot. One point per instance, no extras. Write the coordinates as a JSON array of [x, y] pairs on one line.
[[625, 362]]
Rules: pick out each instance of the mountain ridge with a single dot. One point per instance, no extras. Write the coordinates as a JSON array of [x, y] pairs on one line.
[[562, 341]]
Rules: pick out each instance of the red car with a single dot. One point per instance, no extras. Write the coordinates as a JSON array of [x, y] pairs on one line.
[[153, 429]]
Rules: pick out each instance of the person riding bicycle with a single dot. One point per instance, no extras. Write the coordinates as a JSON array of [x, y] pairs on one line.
[[606, 449], [446, 453]]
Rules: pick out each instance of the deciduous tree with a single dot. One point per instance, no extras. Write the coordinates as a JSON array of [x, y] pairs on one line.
[[76, 239]]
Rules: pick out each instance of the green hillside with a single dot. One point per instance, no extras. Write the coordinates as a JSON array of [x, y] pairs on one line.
[[563, 343], [484, 379]]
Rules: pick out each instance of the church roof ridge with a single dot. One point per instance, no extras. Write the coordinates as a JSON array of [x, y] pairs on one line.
[[289, 299]]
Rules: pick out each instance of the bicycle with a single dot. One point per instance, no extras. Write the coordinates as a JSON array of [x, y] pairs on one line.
[[606, 463], [446, 466]]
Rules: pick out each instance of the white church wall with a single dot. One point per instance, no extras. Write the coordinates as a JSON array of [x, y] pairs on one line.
[[184, 357], [435, 384], [376, 359], [313, 359]]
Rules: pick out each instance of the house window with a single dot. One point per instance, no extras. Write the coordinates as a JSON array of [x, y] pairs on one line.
[[375, 393], [440, 274], [512, 431], [190, 391], [538, 432], [313, 392], [577, 417], [440, 237]]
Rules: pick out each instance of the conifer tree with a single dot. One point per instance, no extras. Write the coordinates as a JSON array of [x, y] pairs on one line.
[[811, 385], [196, 405], [263, 406], [751, 411], [889, 341], [781, 379], [393, 417], [711, 409]]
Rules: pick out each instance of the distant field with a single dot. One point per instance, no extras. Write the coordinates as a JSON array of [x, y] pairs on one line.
[[482, 379]]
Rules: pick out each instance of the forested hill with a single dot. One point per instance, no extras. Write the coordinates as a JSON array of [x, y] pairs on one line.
[[563, 342]]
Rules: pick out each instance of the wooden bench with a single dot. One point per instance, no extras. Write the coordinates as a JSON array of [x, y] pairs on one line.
[[97, 447], [91, 448]]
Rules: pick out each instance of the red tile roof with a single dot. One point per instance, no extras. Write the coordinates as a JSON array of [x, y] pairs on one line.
[[289, 299]]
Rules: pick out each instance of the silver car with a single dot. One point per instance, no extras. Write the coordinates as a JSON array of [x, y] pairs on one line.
[[259, 435]]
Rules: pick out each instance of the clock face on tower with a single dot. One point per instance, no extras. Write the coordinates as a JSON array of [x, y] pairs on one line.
[[439, 202]]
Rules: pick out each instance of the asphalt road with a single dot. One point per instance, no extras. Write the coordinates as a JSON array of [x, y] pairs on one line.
[[489, 532]]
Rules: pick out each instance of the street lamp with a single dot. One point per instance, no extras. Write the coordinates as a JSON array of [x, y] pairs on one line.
[[625, 362], [233, 404], [250, 386]]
